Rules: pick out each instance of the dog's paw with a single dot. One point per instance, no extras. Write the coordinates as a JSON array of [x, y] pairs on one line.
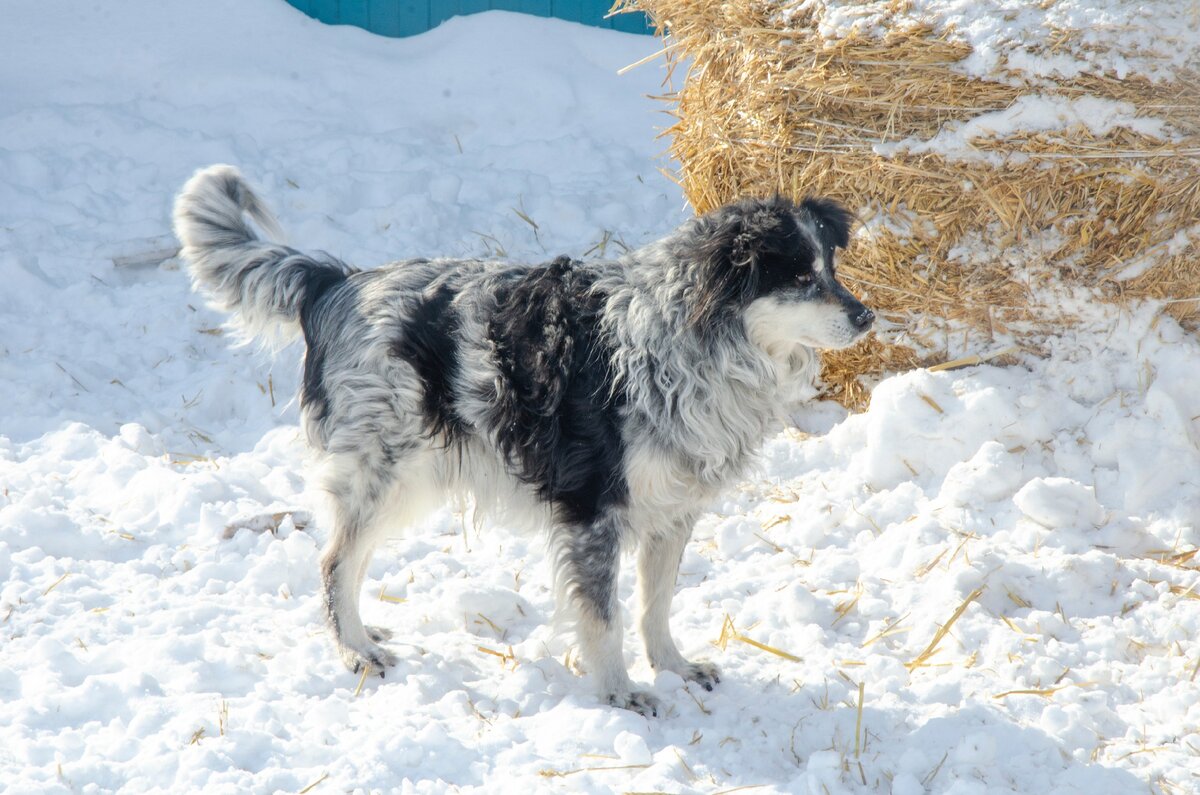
[[370, 655], [706, 675], [642, 703], [378, 634]]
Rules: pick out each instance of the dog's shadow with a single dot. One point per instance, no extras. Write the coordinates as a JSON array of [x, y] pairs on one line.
[[793, 734]]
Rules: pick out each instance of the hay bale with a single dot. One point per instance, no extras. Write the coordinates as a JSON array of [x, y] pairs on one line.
[[999, 162]]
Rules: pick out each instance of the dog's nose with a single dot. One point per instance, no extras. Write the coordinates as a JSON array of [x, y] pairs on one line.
[[863, 320]]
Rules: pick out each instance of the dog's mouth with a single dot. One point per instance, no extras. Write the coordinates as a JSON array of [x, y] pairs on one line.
[[854, 327], [859, 322], [824, 325]]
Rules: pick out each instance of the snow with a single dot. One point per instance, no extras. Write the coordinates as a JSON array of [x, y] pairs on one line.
[[1058, 40], [1028, 115], [157, 635]]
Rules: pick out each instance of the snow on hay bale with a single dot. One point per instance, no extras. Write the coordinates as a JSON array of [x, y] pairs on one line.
[[1000, 154]]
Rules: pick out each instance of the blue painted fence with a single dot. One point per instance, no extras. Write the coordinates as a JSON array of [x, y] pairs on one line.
[[409, 17]]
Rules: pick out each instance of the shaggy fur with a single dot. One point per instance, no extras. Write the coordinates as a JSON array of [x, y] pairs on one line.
[[604, 402]]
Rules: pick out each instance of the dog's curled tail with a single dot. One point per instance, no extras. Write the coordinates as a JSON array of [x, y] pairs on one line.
[[264, 285]]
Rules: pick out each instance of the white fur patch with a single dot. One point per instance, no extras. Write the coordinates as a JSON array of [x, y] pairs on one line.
[[774, 323]]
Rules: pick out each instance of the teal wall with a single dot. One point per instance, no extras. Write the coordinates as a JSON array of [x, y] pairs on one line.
[[409, 17]]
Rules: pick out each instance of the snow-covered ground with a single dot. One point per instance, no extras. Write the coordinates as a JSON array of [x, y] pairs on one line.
[[1043, 513]]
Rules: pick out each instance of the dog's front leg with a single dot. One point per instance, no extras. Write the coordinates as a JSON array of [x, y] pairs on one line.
[[588, 560], [658, 566]]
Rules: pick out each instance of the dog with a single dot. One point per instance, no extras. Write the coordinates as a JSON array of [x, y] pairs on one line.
[[606, 403]]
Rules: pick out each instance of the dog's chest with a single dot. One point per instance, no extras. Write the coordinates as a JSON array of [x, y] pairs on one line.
[[665, 484]]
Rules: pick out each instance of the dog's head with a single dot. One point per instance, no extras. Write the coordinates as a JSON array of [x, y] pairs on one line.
[[771, 262]]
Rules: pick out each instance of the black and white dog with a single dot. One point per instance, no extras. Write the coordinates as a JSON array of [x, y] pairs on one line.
[[606, 402]]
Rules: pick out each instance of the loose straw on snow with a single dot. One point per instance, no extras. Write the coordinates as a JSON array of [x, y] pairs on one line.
[[729, 632], [930, 650]]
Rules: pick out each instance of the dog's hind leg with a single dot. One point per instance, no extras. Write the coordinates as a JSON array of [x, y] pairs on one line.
[[375, 633], [658, 566], [587, 562], [343, 568], [358, 492]]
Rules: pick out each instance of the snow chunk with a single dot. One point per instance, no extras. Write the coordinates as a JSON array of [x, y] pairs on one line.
[[991, 474], [1059, 503], [632, 749]]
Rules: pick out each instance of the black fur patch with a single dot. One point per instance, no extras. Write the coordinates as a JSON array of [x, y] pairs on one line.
[[784, 261], [593, 557], [556, 421], [745, 250], [317, 289], [429, 342], [833, 223]]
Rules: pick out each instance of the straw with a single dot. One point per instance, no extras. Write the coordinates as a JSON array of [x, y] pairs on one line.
[[987, 240], [1044, 692], [551, 773], [729, 632], [930, 650], [858, 721], [56, 583], [313, 785], [384, 596]]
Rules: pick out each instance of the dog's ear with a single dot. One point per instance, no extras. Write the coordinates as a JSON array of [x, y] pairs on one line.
[[727, 247], [833, 221]]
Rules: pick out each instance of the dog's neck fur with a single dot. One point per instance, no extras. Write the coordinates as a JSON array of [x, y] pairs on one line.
[[710, 395]]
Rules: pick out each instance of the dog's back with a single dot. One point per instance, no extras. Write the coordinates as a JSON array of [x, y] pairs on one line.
[[386, 350]]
